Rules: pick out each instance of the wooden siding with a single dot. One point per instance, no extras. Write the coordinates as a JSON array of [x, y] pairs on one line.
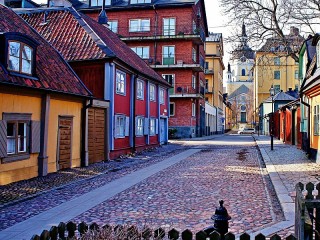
[[96, 135], [64, 142]]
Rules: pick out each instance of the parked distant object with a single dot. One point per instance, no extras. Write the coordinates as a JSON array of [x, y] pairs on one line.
[[247, 131]]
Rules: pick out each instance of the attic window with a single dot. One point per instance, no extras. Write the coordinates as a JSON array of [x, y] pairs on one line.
[[20, 57], [140, 1]]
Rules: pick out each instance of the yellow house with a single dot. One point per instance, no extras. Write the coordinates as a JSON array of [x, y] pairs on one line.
[[41, 105], [275, 66], [214, 76]]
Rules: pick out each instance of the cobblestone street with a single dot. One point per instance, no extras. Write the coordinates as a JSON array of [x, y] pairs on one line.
[[182, 186]]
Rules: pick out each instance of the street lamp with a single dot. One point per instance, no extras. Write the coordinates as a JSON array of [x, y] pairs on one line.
[[271, 90]]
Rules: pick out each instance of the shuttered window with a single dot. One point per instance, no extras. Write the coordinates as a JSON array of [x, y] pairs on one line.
[[19, 136], [316, 120]]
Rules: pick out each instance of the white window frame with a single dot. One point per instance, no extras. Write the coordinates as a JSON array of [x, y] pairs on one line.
[[152, 126], [194, 54], [166, 54], [173, 107], [193, 81], [169, 29], [18, 57], [145, 51], [120, 126], [139, 1], [276, 61], [173, 78], [99, 3], [161, 96], [113, 25], [139, 126], [193, 109], [296, 74], [140, 89], [152, 92], [120, 82], [140, 26], [316, 120]]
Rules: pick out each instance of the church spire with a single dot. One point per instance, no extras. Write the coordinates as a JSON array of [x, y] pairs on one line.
[[244, 37]]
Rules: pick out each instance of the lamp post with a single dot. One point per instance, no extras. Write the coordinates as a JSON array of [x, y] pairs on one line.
[[271, 90]]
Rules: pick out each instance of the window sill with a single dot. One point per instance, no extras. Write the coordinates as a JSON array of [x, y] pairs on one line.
[[16, 157]]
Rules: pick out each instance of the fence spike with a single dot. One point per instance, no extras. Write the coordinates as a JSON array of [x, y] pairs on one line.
[[260, 236], [214, 235], [45, 235], [300, 185], [133, 232], [94, 227], [201, 235], [146, 233], [245, 236], [54, 233], [186, 235], [173, 234], [61, 230], [159, 233], [309, 188], [291, 237], [71, 228], [35, 237], [229, 236], [82, 228], [275, 237]]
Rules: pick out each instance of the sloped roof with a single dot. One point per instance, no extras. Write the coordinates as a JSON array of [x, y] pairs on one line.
[[53, 73], [78, 37], [280, 96], [240, 90]]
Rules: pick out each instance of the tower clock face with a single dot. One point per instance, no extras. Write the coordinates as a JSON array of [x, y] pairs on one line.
[[243, 59]]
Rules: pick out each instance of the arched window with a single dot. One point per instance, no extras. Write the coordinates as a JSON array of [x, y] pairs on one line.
[[243, 72]]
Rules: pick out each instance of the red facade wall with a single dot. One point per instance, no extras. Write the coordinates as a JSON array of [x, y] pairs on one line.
[[288, 129], [299, 134], [276, 125], [282, 125]]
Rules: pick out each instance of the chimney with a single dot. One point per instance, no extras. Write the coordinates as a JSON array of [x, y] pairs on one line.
[[294, 31]]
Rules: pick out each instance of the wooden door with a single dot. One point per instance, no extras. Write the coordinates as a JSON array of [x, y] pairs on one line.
[[96, 136], [64, 142]]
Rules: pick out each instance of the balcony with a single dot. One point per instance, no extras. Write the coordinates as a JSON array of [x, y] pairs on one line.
[[209, 90], [178, 61], [183, 90], [208, 71], [184, 31]]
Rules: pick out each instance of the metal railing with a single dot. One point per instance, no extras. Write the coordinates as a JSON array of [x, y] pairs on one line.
[[183, 89]]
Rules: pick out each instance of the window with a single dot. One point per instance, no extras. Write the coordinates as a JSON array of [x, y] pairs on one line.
[[121, 83], [20, 136], [161, 96], [120, 125], [316, 120], [95, 3], [296, 87], [152, 126], [193, 82], [276, 88], [276, 74], [140, 89], [152, 92], [168, 55], [142, 52], [169, 26], [276, 61], [243, 72], [296, 74], [207, 85], [139, 25], [207, 65], [193, 110], [140, 1], [20, 57], [194, 27], [113, 25], [169, 78], [272, 49], [194, 54], [172, 109], [139, 126]]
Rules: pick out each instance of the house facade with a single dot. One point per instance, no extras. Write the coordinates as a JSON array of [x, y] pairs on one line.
[[41, 105], [131, 106], [169, 36], [214, 83]]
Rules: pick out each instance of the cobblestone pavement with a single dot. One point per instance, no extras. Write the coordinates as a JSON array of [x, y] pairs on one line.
[[186, 194]]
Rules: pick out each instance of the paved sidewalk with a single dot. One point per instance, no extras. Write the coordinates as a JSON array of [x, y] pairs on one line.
[[286, 166]]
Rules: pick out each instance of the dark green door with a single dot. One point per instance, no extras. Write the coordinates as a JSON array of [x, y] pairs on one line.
[[243, 117]]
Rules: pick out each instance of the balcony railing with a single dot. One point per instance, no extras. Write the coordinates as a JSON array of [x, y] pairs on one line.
[[208, 71], [186, 30], [176, 61], [209, 90], [183, 90]]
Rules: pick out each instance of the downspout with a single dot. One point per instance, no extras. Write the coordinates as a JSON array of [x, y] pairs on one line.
[[133, 113], [155, 32], [309, 116], [85, 154]]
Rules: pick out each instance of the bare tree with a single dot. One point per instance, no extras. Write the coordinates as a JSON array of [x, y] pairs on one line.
[[271, 19]]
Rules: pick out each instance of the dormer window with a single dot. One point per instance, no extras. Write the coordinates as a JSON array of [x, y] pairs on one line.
[[95, 3], [20, 57], [140, 1]]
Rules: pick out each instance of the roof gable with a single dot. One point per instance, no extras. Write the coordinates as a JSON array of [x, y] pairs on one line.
[[280, 96], [51, 71], [240, 90]]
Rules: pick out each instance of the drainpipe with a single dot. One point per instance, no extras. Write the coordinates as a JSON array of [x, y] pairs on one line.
[[133, 112], [85, 154], [309, 115], [155, 32]]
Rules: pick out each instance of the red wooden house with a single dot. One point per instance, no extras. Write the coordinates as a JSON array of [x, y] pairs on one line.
[[169, 35], [130, 110]]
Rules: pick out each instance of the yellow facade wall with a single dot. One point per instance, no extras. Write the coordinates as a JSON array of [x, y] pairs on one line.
[[264, 74], [28, 168], [63, 108]]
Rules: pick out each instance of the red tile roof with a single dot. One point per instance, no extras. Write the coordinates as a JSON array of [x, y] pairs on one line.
[[52, 72], [78, 37]]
